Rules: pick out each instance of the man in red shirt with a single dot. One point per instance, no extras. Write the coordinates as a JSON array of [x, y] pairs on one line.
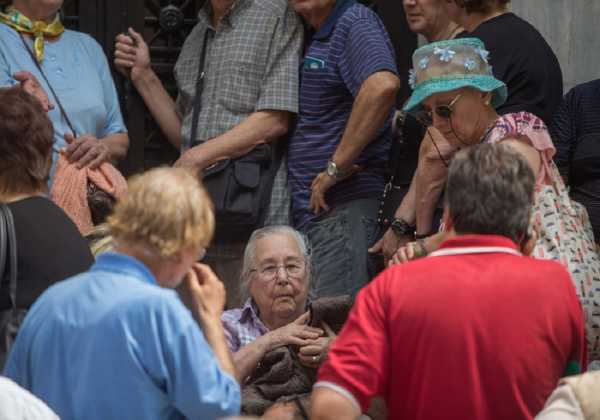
[[475, 331]]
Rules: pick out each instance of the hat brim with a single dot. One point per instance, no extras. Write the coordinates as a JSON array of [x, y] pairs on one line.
[[447, 84]]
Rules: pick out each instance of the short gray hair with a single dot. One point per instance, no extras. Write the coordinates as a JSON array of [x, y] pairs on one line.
[[490, 190], [250, 252]]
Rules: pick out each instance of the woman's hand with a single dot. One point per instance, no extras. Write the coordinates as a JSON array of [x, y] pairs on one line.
[[389, 244], [30, 84], [314, 352], [86, 150], [132, 56], [296, 333], [411, 251]]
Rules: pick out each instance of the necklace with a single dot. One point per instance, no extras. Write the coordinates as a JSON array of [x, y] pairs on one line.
[[488, 130]]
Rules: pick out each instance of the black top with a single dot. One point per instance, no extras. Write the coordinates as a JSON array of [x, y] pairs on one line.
[[49, 249], [575, 131], [523, 60]]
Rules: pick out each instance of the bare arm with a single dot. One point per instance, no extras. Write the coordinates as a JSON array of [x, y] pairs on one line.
[[327, 404], [371, 108], [132, 59], [259, 127], [432, 177], [370, 111]]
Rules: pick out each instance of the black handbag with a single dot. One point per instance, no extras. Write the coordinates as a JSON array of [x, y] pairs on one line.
[[10, 318], [240, 188]]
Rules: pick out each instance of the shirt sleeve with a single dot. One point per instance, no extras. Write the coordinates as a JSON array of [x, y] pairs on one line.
[[183, 362], [280, 85], [368, 50], [358, 359], [6, 79], [563, 133], [114, 119]]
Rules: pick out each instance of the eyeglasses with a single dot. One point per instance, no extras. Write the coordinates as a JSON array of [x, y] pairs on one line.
[[443, 111], [293, 269]]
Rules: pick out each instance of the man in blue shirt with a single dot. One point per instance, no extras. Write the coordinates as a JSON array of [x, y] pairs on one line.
[[116, 342], [340, 148]]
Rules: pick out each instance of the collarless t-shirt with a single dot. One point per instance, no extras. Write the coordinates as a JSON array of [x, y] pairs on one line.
[[351, 45], [523, 60]]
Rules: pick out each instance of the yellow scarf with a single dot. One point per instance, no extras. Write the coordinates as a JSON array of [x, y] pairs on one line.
[[38, 29]]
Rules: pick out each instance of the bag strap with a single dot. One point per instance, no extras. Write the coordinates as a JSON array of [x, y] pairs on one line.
[[199, 87], [39, 67], [11, 245]]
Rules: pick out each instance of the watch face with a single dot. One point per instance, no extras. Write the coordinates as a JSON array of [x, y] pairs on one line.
[[331, 169]]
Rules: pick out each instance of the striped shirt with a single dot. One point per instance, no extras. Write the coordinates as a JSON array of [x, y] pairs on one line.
[[350, 46]]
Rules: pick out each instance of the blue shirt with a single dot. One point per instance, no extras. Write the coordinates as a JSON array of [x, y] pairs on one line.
[[78, 71], [351, 45], [112, 344]]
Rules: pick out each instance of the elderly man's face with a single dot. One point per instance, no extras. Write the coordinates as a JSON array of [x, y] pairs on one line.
[[279, 286], [424, 16]]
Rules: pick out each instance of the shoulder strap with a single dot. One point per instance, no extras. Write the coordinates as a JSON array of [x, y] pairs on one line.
[[199, 86], [39, 67], [3, 242], [11, 246]]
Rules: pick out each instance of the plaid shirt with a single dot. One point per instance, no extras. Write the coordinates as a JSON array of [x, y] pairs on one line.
[[242, 326], [251, 65]]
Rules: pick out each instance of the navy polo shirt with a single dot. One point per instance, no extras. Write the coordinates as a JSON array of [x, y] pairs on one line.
[[350, 46]]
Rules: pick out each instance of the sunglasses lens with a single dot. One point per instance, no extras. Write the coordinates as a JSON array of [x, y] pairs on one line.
[[443, 111], [424, 117]]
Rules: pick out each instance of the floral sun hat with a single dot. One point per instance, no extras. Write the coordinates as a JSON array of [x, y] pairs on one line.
[[448, 65]]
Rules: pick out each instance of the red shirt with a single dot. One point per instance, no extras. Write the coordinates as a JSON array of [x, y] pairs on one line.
[[469, 336]]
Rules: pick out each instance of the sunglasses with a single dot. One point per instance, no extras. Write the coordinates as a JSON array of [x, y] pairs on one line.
[[443, 111]]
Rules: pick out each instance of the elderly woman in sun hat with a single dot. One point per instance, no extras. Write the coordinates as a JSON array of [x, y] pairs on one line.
[[455, 91]]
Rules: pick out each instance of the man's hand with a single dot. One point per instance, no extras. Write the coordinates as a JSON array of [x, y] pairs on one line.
[[30, 84], [389, 244], [321, 184], [411, 251], [132, 56], [314, 352], [295, 333], [86, 150], [202, 291]]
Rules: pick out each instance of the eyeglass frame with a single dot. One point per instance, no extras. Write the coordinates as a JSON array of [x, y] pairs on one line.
[[276, 272], [442, 111]]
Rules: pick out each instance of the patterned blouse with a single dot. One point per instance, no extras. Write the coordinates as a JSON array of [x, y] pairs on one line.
[[242, 326], [565, 233]]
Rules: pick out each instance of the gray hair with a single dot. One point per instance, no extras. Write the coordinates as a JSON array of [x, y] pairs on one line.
[[490, 191], [250, 252]]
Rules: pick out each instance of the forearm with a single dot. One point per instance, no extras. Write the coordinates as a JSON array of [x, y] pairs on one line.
[[407, 208], [161, 106], [248, 357], [260, 127], [371, 109], [118, 144], [327, 404], [215, 337]]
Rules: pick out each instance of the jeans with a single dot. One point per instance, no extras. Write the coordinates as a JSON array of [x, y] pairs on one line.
[[339, 240]]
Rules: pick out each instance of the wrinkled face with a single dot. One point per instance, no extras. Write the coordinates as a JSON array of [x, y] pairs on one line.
[[425, 16], [463, 126], [279, 286]]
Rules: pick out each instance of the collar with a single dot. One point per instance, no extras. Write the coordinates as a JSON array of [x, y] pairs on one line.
[[338, 10], [230, 18], [476, 244], [249, 310], [123, 264]]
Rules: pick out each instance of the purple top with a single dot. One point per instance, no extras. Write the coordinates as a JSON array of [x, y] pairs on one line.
[[242, 326]]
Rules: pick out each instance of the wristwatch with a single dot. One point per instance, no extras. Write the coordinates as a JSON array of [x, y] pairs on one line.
[[401, 227], [332, 170]]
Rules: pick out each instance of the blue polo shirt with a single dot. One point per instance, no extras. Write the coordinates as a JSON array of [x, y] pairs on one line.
[[112, 344], [351, 45]]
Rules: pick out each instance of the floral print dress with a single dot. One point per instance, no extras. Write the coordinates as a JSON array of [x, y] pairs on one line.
[[565, 232]]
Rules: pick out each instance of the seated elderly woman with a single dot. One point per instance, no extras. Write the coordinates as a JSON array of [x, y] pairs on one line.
[[276, 279], [456, 93]]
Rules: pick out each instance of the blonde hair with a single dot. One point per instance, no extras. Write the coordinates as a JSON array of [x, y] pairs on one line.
[[165, 209]]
